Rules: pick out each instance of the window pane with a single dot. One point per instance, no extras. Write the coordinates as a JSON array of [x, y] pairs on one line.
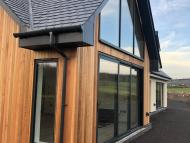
[[123, 99], [159, 95], [161, 92], [127, 25], [45, 102], [107, 92], [139, 41], [134, 99], [110, 23]]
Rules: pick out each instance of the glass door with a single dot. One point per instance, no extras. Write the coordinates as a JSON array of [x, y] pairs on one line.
[[46, 122]]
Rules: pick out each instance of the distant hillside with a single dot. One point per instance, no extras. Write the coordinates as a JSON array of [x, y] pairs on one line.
[[180, 82]]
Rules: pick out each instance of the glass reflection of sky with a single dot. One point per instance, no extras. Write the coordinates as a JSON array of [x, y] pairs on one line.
[[127, 28], [110, 22], [110, 27], [108, 67], [136, 48]]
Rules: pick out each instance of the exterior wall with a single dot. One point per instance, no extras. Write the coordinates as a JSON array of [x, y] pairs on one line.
[[87, 92], [153, 94], [16, 87]]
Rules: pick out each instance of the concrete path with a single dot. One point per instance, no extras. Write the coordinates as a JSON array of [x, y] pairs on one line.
[[170, 126]]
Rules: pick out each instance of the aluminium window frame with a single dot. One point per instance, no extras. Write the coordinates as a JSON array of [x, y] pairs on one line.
[[140, 101], [118, 48]]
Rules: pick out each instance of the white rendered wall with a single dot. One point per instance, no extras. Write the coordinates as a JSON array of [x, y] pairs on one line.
[[153, 94]]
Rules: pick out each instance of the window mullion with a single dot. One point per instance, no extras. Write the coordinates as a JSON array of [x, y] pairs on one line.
[[133, 5], [130, 91], [117, 104], [120, 3]]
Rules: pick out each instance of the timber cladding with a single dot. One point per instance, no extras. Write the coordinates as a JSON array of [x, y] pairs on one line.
[[16, 87], [16, 84]]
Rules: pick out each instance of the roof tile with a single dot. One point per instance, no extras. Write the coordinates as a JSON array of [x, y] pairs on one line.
[[53, 13]]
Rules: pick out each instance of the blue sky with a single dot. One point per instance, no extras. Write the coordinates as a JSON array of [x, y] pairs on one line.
[[172, 20]]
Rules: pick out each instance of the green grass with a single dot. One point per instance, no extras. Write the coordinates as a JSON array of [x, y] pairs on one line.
[[179, 90]]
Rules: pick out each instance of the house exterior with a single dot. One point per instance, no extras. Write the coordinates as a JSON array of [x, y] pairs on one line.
[[75, 71], [158, 87], [158, 93]]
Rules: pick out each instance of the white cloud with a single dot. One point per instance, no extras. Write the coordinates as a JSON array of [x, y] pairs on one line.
[[167, 41], [165, 6], [184, 49], [172, 21], [177, 63], [180, 25], [110, 8]]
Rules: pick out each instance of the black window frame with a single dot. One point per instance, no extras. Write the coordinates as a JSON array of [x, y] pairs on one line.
[[34, 95], [135, 7], [140, 101]]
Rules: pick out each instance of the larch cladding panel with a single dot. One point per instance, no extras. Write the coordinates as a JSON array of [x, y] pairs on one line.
[[88, 86], [16, 86]]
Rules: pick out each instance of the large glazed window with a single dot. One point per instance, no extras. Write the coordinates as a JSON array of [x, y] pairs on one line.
[[127, 25], [45, 99], [138, 39], [118, 99], [106, 100], [120, 27], [110, 23]]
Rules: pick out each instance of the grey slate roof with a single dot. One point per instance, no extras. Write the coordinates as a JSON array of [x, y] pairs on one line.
[[161, 74], [46, 14], [20, 8]]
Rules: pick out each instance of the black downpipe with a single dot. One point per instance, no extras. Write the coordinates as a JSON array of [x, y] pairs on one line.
[[53, 46]]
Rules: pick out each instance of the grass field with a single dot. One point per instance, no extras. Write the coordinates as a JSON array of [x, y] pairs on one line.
[[180, 94], [179, 90]]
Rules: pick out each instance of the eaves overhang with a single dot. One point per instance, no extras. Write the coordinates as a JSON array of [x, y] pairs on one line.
[[162, 77], [73, 36]]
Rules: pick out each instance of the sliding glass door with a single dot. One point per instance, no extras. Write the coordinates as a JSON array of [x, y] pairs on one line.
[[123, 99], [106, 99], [45, 102], [134, 99], [46, 125], [118, 99]]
